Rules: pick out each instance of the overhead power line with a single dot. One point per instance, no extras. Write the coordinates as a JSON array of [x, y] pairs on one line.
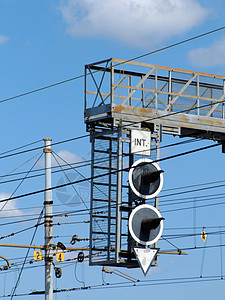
[[31, 242], [113, 172], [193, 198], [175, 202], [194, 207], [193, 190], [212, 196], [19, 231], [42, 147], [22, 180], [20, 147], [126, 61], [123, 284], [75, 165], [193, 185]]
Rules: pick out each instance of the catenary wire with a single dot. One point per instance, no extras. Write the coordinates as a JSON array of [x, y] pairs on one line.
[[75, 213], [54, 155], [80, 164], [98, 176], [32, 239], [193, 185], [20, 231], [21, 182], [20, 147], [156, 282], [193, 207], [185, 235], [86, 212], [194, 199], [83, 163], [126, 61], [42, 147], [216, 196], [190, 191], [12, 171]]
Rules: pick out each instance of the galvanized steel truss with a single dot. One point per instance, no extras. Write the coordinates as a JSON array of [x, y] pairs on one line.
[[185, 103], [123, 95]]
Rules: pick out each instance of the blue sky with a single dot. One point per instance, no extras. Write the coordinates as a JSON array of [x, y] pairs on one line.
[[45, 42]]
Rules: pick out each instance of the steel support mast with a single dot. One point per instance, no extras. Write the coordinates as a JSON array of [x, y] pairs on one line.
[[129, 104], [48, 223]]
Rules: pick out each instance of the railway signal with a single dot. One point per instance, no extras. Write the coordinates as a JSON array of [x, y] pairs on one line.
[[146, 224], [145, 178], [146, 227]]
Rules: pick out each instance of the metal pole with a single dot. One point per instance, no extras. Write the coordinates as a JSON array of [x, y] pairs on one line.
[[119, 194], [92, 196], [48, 223], [159, 138]]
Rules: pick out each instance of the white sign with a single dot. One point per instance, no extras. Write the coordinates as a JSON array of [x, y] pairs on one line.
[[141, 142], [145, 257]]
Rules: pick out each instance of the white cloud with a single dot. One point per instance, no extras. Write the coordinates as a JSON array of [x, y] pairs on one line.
[[142, 23], [209, 57], [3, 39], [10, 209], [63, 157]]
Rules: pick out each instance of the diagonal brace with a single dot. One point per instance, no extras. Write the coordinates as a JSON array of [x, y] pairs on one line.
[[215, 105], [114, 88], [98, 87], [180, 92], [137, 86]]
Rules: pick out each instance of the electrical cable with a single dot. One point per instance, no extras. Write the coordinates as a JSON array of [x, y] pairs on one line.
[[195, 198], [170, 243], [19, 231], [191, 186], [172, 210], [202, 247], [16, 222], [83, 163], [75, 274], [19, 216], [54, 154], [187, 228], [166, 211], [21, 270], [113, 172], [143, 283], [42, 147], [10, 173], [192, 207], [184, 235], [20, 147], [190, 191], [57, 214], [86, 212], [22, 180], [126, 61], [171, 201]]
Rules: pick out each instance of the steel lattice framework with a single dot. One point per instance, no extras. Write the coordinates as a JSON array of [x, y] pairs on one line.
[[123, 95], [185, 103]]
